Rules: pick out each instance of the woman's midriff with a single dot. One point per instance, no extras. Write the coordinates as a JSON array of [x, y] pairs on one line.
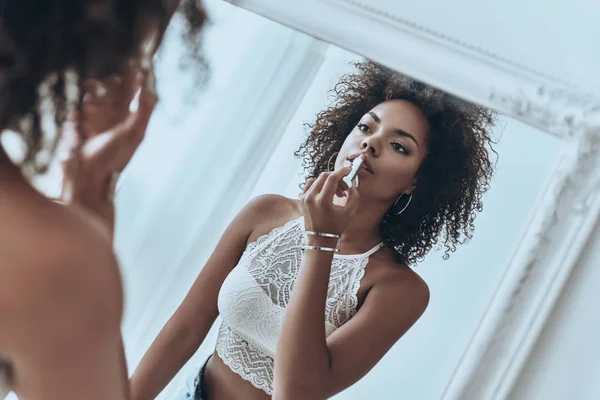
[[221, 383]]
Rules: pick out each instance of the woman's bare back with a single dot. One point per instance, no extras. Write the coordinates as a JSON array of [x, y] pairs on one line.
[[60, 299]]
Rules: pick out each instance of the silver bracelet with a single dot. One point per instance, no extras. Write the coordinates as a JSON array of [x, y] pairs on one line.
[[319, 248], [329, 235]]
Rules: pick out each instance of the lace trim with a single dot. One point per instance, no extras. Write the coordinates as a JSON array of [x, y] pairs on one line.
[[353, 292], [246, 359], [264, 239]]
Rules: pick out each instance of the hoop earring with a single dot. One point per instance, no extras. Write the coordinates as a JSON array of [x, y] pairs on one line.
[[329, 162], [405, 207]]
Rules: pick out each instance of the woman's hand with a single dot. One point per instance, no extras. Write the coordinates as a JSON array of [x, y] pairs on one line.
[[111, 134], [320, 212], [107, 131]]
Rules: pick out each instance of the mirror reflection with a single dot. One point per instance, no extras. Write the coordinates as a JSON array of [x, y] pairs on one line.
[[252, 270], [307, 109]]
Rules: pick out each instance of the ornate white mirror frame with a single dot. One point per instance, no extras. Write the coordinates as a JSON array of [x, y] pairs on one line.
[[569, 207]]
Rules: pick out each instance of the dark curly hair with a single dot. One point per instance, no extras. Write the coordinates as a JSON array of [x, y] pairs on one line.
[[452, 178], [44, 43]]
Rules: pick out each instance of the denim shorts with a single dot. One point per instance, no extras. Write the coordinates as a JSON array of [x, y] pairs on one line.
[[193, 386]]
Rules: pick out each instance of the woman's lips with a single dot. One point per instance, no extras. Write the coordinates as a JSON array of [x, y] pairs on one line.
[[363, 169], [363, 172]]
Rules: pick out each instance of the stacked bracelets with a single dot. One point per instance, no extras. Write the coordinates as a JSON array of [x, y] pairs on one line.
[[319, 248]]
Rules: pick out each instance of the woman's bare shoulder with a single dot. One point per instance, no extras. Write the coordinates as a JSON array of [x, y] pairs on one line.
[[275, 203], [270, 211], [397, 277], [54, 265], [38, 230]]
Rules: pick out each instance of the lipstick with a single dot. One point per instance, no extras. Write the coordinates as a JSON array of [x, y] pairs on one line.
[[352, 177]]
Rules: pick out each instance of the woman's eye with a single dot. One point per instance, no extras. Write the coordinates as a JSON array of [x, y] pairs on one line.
[[363, 127], [400, 148]]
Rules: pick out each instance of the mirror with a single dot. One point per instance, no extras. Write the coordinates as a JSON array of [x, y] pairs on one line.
[[201, 162]]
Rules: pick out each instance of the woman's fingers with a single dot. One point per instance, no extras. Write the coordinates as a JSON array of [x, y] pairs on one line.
[[113, 149], [309, 183], [352, 203], [332, 184], [134, 127], [317, 186]]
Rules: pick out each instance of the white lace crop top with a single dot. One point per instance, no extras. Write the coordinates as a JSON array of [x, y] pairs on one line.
[[254, 296]]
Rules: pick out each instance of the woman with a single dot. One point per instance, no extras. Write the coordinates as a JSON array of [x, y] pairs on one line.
[[276, 277], [60, 289]]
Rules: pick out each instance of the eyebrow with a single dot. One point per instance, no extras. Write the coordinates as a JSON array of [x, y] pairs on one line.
[[398, 131]]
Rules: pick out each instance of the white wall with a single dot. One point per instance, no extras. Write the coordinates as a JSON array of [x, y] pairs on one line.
[[565, 362]]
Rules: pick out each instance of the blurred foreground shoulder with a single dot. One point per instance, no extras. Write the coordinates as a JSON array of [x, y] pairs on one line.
[[60, 311], [63, 270]]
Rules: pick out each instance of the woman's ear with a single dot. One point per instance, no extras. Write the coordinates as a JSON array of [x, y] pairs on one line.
[[413, 187]]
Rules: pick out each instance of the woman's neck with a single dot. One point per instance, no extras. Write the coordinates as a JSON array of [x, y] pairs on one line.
[[363, 232]]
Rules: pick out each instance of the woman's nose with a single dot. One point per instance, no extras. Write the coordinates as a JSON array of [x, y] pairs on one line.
[[370, 146]]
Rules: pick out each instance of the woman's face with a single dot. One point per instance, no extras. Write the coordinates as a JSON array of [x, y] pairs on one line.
[[392, 138]]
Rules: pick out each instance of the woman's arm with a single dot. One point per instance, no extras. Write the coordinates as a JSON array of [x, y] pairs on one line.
[[309, 365], [89, 172], [186, 329]]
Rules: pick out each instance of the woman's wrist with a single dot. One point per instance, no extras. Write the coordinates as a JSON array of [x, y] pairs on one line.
[[322, 241], [103, 210]]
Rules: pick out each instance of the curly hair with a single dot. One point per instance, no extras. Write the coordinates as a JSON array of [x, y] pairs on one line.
[[44, 43], [453, 177]]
